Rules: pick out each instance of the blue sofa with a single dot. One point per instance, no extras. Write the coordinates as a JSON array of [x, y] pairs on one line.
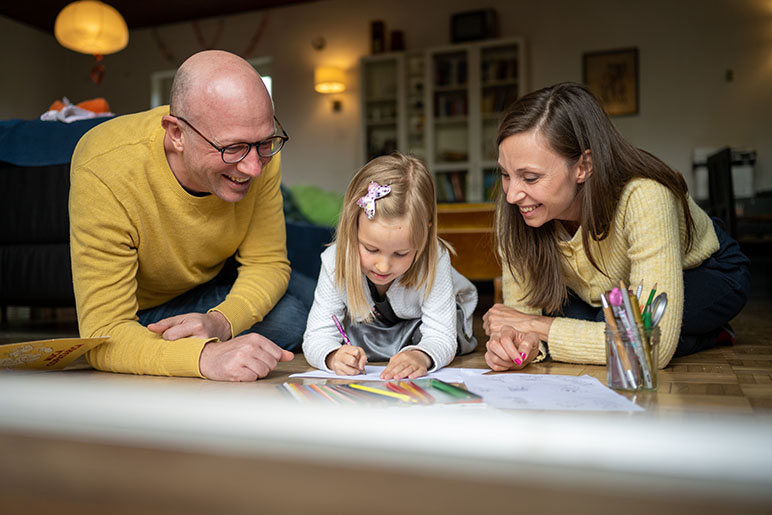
[[35, 267]]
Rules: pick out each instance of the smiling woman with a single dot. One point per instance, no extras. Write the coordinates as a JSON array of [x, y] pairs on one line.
[[580, 209]]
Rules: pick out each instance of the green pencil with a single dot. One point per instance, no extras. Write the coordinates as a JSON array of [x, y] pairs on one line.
[[455, 391]]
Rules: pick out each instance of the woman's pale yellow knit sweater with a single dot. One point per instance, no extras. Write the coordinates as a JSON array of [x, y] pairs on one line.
[[647, 242]]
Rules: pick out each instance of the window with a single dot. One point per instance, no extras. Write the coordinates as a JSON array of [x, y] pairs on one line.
[[161, 82]]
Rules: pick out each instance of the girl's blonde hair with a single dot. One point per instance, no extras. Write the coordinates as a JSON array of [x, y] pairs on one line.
[[412, 196]]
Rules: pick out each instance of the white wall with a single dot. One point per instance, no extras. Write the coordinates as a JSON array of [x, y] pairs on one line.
[[30, 75], [685, 49]]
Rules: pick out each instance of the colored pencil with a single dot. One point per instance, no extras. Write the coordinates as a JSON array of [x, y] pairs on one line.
[[422, 391], [335, 393], [409, 387], [394, 387], [637, 333], [454, 391], [385, 393], [321, 392], [298, 392]]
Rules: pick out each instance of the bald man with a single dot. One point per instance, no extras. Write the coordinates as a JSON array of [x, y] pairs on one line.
[[177, 232]]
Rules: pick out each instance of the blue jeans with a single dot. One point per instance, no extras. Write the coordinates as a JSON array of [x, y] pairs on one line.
[[284, 324], [714, 293]]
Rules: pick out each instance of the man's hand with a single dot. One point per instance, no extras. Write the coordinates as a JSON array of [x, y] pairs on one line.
[[244, 358], [198, 325], [511, 350]]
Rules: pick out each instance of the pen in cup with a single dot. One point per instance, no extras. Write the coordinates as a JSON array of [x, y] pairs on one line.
[[636, 333], [627, 369], [647, 308]]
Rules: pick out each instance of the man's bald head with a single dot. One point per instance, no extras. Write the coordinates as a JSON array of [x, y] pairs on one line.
[[217, 80]]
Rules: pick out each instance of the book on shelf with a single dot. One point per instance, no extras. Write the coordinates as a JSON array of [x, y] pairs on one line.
[[451, 186], [450, 104], [450, 72], [456, 179], [502, 69]]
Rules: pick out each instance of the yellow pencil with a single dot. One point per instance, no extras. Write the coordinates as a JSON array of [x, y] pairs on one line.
[[416, 393], [387, 393]]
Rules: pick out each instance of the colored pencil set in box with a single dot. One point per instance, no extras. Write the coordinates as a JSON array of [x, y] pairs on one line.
[[420, 391]]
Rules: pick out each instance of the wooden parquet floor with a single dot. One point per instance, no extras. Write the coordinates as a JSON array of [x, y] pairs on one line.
[[734, 379]]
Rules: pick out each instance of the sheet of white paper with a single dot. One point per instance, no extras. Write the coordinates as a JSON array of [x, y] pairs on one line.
[[548, 392], [373, 373]]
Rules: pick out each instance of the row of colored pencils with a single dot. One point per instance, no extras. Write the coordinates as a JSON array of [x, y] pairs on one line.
[[403, 391]]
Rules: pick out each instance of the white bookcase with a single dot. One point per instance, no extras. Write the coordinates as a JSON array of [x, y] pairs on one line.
[[444, 105], [392, 104], [468, 88]]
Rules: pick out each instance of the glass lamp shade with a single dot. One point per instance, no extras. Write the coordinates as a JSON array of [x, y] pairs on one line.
[[328, 79], [91, 27]]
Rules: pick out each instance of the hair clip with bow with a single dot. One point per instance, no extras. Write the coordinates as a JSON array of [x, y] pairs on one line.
[[374, 192]]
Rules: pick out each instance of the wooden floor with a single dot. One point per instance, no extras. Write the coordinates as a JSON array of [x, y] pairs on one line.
[[734, 379]]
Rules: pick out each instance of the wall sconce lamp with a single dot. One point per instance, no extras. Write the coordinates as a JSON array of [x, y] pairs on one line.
[[329, 79], [91, 27]]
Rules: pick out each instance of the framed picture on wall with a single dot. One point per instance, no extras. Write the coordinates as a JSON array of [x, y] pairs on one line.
[[612, 76]]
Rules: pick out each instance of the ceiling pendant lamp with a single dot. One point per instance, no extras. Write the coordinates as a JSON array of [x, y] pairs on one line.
[[91, 27]]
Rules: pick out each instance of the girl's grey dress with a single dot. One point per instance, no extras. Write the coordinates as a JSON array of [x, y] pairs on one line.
[[388, 334]]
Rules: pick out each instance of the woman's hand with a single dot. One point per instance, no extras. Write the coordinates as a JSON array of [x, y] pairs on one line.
[[349, 360], [500, 316], [409, 363], [511, 349]]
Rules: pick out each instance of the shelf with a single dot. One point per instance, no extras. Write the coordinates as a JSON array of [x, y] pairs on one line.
[[451, 120], [500, 83], [447, 102], [454, 88], [381, 123], [449, 166], [381, 100]]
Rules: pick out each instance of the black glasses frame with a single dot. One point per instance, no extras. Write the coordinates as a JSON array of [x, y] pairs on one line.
[[284, 137]]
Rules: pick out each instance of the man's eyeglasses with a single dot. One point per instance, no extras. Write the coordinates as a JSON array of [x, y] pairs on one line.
[[235, 152]]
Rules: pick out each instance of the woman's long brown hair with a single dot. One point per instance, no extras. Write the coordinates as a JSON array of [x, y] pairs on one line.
[[572, 121]]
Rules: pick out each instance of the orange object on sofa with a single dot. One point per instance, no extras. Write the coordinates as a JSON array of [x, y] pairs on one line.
[[95, 105]]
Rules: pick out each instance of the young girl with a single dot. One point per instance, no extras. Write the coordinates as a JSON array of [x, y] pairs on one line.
[[388, 279], [581, 209]]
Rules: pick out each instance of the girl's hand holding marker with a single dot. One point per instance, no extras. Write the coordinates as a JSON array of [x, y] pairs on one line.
[[348, 360]]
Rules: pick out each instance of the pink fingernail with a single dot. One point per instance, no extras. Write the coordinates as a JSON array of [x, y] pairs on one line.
[[517, 360], [522, 355]]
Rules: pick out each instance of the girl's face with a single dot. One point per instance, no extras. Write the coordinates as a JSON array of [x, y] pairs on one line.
[[538, 180], [385, 249]]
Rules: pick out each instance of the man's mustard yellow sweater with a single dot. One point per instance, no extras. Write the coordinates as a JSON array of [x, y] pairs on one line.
[[647, 242], [138, 239]]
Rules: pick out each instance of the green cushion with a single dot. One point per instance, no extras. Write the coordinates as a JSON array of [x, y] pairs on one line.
[[318, 206]]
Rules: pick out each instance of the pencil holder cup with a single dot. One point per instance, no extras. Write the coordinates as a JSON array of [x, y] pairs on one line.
[[631, 359]]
